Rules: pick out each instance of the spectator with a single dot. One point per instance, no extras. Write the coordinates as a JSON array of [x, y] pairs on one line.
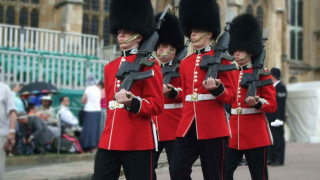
[[32, 110], [17, 100], [46, 113], [89, 137], [103, 105], [8, 119], [40, 133], [68, 120]]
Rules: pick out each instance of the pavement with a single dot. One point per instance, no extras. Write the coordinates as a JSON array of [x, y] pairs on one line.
[[302, 162]]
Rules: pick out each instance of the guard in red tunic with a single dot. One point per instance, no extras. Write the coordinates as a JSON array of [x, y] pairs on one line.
[[169, 44], [249, 126], [203, 128], [128, 137]]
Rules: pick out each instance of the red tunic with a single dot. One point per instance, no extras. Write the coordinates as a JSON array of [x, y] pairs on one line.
[[125, 130], [251, 130], [167, 122], [209, 115]]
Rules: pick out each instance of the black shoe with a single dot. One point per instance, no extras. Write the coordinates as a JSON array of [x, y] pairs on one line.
[[276, 163]]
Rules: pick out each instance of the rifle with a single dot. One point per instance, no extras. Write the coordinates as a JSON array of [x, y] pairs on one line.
[[213, 63], [170, 71], [251, 81], [130, 72]]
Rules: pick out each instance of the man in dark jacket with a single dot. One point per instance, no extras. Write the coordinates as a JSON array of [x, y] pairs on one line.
[[277, 119], [40, 134]]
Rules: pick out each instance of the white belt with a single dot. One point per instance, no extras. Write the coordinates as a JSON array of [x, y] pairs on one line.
[[244, 111], [173, 106], [199, 97], [113, 105]]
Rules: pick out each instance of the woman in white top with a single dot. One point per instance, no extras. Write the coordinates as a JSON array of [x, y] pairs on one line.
[[89, 137]]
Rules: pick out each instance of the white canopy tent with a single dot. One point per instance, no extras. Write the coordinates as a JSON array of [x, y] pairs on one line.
[[303, 108]]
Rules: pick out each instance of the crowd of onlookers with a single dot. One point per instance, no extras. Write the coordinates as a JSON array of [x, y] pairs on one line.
[[41, 128]]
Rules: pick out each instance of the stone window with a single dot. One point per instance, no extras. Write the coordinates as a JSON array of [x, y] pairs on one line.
[[85, 5], [85, 24], [260, 16], [23, 17], [94, 26], [35, 1], [256, 8], [296, 29], [249, 9], [34, 18], [10, 15], [106, 31], [95, 5], [24, 1], [1, 13], [106, 5]]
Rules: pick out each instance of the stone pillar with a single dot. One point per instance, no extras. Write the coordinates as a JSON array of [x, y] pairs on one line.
[[68, 15]]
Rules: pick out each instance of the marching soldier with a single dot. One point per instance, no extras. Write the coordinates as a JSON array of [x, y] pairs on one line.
[[249, 126], [170, 42], [203, 127], [277, 119], [127, 139]]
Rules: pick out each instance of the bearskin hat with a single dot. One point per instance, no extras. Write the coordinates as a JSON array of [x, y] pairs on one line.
[[170, 31], [200, 14], [133, 15], [246, 35]]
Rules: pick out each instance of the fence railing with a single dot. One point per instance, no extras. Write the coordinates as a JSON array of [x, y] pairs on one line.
[[26, 39], [63, 72]]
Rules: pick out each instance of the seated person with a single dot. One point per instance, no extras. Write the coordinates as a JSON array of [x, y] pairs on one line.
[[68, 120], [46, 113], [40, 135]]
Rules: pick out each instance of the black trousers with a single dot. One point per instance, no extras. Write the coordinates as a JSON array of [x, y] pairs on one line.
[[276, 151], [137, 165], [168, 146], [186, 151], [256, 159]]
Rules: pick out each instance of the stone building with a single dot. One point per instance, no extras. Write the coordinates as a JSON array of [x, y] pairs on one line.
[[293, 29]]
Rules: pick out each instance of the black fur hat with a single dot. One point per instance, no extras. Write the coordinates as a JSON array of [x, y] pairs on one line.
[[200, 14], [246, 35], [170, 31], [133, 15]]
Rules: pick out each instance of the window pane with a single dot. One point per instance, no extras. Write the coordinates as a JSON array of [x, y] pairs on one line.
[[106, 5], [35, 1], [34, 18], [23, 19], [85, 4], [300, 13], [260, 16], [292, 12], [292, 45], [25, 1], [94, 26], [106, 31], [85, 29], [300, 45], [10, 15], [95, 5], [254, 1], [1, 13], [249, 9]]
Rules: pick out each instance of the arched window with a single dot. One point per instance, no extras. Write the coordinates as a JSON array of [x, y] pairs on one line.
[[1, 13], [300, 45], [35, 18], [23, 17], [292, 44], [95, 5], [85, 5], [35, 1], [106, 31], [24, 1], [254, 1], [260, 16], [94, 26], [293, 12], [10, 15], [106, 5], [300, 13], [249, 9], [85, 26]]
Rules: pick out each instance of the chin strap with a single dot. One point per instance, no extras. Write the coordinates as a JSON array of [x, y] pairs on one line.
[[131, 38], [200, 37], [170, 51]]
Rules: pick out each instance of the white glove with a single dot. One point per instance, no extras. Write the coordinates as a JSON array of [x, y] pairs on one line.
[[277, 123]]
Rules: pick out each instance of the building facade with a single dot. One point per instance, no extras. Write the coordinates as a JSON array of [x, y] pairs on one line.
[[293, 29]]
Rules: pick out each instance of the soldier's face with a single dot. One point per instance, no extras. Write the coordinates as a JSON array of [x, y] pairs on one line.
[[199, 40], [162, 53], [123, 35], [242, 57]]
